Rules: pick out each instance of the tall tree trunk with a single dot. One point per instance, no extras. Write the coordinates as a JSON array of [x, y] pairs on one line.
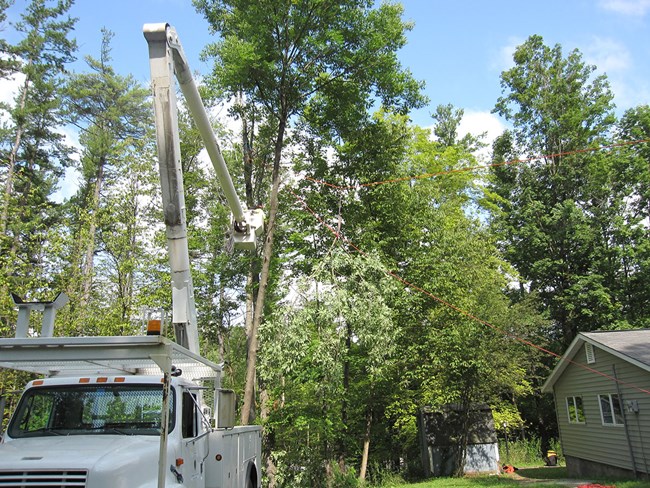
[[130, 278], [342, 454], [247, 145], [268, 439], [219, 321], [461, 453], [366, 446], [11, 164], [248, 410], [267, 254], [92, 229]]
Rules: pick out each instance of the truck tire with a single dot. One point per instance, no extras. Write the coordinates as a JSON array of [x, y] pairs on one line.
[[251, 478], [249, 482]]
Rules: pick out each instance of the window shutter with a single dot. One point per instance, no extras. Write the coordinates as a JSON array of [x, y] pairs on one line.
[[589, 350]]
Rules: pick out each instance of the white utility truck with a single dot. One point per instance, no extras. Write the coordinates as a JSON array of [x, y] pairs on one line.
[[142, 411]]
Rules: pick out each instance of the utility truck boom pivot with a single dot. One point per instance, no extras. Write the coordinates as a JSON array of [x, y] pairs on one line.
[[135, 412]]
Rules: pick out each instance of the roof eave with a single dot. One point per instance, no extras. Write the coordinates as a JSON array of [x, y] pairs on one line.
[[565, 360], [570, 353]]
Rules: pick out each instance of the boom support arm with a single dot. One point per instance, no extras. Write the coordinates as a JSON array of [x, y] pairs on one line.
[[166, 59]]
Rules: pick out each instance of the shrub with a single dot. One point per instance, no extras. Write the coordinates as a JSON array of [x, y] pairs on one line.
[[526, 452], [344, 478]]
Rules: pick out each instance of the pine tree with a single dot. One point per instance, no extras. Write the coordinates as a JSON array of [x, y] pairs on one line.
[[34, 151], [112, 113]]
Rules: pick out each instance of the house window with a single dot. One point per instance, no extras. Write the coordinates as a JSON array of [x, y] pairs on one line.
[[575, 410], [589, 351], [611, 412]]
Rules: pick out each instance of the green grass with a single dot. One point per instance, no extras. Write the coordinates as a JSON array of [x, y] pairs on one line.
[[524, 477], [561, 473], [481, 481], [531, 473]]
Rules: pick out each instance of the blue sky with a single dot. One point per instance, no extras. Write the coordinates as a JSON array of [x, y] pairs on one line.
[[457, 47]]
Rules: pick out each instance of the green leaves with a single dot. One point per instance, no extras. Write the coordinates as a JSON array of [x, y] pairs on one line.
[[554, 102], [560, 214], [340, 52], [316, 67], [34, 155]]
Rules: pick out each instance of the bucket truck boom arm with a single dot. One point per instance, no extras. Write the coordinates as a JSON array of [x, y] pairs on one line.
[[166, 59]]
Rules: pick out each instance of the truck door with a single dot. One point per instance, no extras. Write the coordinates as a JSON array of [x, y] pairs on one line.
[[194, 444]]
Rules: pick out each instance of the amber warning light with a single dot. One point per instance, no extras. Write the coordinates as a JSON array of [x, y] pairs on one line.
[[153, 327]]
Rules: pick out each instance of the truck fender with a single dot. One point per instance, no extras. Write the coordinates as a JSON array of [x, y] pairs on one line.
[[251, 476]]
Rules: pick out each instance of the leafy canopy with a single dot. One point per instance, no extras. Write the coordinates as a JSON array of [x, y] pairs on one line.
[[314, 56]]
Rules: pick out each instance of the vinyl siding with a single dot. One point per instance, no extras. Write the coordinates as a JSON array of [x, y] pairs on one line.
[[592, 440]]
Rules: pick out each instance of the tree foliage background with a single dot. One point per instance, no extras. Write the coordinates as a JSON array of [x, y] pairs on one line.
[[390, 277]]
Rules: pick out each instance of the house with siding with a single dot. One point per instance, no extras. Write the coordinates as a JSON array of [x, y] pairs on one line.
[[601, 388]]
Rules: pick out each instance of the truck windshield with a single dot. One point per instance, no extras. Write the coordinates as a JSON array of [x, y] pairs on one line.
[[90, 409]]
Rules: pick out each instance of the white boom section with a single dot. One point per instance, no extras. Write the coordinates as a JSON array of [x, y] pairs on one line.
[[171, 179], [166, 35], [247, 223], [166, 59]]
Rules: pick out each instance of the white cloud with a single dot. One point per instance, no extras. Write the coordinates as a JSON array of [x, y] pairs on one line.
[[476, 123], [69, 184], [608, 55], [626, 7], [629, 86], [503, 61], [8, 91], [629, 90], [9, 87]]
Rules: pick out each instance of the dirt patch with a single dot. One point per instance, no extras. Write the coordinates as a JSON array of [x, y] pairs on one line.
[[546, 475], [525, 480]]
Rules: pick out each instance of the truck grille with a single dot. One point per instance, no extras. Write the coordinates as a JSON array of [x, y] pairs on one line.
[[43, 479]]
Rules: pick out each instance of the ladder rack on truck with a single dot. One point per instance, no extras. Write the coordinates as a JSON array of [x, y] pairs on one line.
[[103, 356]]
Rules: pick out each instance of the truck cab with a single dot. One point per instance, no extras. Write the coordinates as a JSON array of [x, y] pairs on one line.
[[105, 430]]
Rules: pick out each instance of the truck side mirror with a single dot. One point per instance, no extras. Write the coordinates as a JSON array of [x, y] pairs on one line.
[[226, 409]]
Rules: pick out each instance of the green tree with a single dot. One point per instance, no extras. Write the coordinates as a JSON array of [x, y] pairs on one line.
[[8, 64], [33, 150], [425, 231], [571, 222], [553, 210], [112, 114], [319, 60], [447, 120], [327, 351], [124, 240], [632, 180]]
